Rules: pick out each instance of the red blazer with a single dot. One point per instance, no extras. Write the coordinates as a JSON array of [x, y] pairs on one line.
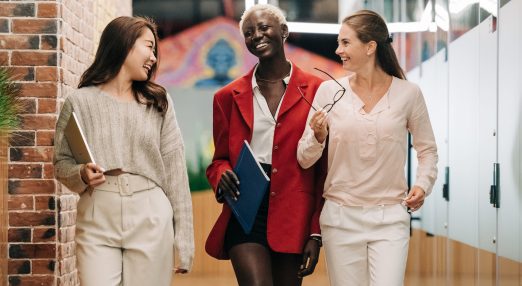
[[295, 199]]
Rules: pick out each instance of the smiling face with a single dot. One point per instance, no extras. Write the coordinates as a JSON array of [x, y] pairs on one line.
[[141, 58], [264, 35], [354, 54]]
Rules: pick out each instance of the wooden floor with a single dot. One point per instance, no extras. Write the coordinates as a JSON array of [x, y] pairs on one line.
[[314, 280]]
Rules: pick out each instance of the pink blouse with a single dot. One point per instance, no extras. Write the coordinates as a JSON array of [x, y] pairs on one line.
[[367, 151]]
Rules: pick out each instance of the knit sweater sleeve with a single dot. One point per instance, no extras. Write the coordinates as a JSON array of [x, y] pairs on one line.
[[177, 187], [66, 170]]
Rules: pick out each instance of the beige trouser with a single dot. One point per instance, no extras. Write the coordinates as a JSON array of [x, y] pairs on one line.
[[365, 245], [124, 234]]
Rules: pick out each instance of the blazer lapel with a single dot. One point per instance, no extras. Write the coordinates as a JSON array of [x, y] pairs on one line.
[[244, 99], [292, 96]]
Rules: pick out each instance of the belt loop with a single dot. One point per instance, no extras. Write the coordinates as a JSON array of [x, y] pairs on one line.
[[123, 180]]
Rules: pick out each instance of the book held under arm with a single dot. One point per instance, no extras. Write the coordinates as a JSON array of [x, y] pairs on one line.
[[77, 141], [253, 183]]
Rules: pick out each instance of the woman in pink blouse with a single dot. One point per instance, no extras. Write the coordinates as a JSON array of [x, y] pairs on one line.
[[365, 118]]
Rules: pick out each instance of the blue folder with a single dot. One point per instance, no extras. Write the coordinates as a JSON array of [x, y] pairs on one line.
[[253, 183]]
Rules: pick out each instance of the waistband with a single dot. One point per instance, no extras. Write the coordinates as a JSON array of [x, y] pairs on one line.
[[126, 184]]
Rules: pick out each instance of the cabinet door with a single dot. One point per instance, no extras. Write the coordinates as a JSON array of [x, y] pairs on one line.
[[510, 145], [463, 147], [487, 142]]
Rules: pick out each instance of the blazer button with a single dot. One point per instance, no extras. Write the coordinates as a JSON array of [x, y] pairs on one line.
[[278, 125], [274, 170], [276, 147], [272, 194]]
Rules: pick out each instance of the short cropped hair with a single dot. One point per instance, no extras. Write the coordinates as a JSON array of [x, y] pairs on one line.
[[270, 9]]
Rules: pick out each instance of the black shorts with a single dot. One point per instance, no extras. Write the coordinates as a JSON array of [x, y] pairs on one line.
[[235, 234]]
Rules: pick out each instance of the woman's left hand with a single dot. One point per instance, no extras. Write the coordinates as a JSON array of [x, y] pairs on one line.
[[415, 198], [310, 258]]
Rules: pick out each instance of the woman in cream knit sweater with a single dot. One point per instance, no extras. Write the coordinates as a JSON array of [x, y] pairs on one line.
[[135, 201]]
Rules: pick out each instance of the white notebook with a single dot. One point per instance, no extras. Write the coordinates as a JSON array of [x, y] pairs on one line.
[[77, 141]]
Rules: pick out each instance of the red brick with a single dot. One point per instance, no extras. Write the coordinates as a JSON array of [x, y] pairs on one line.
[[67, 234], [67, 265], [20, 42], [25, 171], [46, 105], [31, 154], [68, 202], [44, 235], [67, 218], [22, 138], [31, 218], [21, 203], [47, 10], [45, 138], [16, 10], [43, 266], [29, 105], [47, 250], [68, 279], [48, 42], [17, 266], [22, 73], [34, 26], [40, 280], [48, 171], [4, 25], [4, 58], [37, 122], [36, 58], [44, 203], [19, 234], [46, 74], [66, 250], [39, 89], [21, 187]]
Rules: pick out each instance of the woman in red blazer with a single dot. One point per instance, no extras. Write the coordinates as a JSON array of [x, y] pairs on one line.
[[266, 108]]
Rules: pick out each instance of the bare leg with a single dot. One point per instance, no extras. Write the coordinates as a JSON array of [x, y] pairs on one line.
[[285, 267], [252, 265]]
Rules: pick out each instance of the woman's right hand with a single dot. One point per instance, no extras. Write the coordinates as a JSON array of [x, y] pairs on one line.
[[319, 124], [92, 175], [228, 185]]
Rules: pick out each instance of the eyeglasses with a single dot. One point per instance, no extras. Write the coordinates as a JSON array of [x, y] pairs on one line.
[[337, 96]]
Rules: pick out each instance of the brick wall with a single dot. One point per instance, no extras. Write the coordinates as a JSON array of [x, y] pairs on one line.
[[48, 44]]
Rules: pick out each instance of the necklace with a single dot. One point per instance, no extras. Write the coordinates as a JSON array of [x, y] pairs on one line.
[[271, 80]]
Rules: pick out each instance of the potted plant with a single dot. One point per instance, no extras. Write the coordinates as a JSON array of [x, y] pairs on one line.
[[10, 107], [10, 103]]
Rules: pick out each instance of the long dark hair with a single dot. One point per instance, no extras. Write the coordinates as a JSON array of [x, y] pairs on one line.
[[116, 41], [370, 26]]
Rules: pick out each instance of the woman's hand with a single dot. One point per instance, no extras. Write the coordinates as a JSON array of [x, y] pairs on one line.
[[228, 186], [310, 258], [319, 125], [415, 198], [92, 175]]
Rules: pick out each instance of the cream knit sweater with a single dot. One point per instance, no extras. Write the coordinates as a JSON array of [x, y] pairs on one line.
[[136, 139]]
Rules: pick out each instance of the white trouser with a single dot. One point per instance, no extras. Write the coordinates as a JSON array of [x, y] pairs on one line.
[[365, 245], [124, 234]]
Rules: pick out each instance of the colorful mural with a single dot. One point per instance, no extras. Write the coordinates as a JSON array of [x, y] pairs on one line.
[[200, 60]]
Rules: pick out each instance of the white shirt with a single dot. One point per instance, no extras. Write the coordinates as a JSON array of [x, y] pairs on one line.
[[264, 123], [367, 151]]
